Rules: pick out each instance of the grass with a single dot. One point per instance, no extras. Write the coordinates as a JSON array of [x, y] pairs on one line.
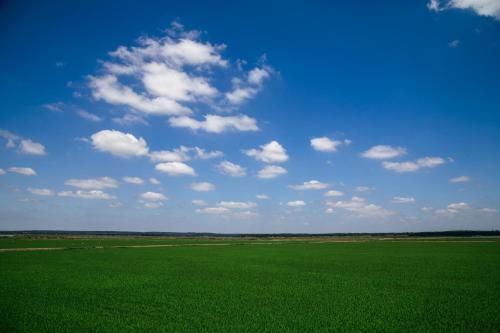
[[410, 286]]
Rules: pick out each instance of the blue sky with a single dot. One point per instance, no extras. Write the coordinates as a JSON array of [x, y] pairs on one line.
[[250, 117]]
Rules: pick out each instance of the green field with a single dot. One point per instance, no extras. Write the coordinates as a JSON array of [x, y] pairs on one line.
[[248, 285]]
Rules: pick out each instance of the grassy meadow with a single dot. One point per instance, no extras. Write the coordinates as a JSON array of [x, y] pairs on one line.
[[103, 284]]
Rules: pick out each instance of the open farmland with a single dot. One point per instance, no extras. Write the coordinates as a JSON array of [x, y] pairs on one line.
[[306, 285]]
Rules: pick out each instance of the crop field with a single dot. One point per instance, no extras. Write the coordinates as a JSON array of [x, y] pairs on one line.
[[120, 284]]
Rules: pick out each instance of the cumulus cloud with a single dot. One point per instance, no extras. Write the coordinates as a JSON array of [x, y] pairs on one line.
[[310, 185], [460, 179], [119, 144], [454, 44], [334, 193], [213, 210], [54, 107], [26, 146], [364, 189], [480, 7], [233, 209], [325, 144], [93, 194], [262, 197], [152, 205], [216, 124], [22, 171], [175, 169], [10, 138], [202, 187], [458, 205], [247, 88], [412, 166], [154, 181], [153, 196], [231, 169], [237, 204], [183, 154], [271, 171], [488, 210], [88, 116], [129, 119], [174, 74], [358, 207], [296, 203], [29, 147], [133, 180], [402, 200], [383, 152], [93, 183], [272, 152], [45, 192]]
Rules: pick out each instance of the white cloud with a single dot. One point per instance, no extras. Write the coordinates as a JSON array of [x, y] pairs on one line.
[[198, 202], [360, 208], [329, 210], [460, 179], [231, 169], [153, 196], [310, 185], [488, 210], [153, 205], [41, 191], [262, 197], [133, 180], [172, 75], [31, 148], [89, 116], [403, 200], [271, 171], [257, 75], [433, 5], [10, 137], [26, 146], [480, 7], [119, 144], [203, 187], [454, 208], [454, 44], [237, 204], [54, 107], [326, 144], [93, 194], [248, 88], [110, 90], [297, 203], [412, 166], [458, 206], [183, 153], [2, 172], [175, 169], [383, 152], [129, 119], [216, 123], [364, 189], [272, 152], [23, 171], [213, 210], [93, 183], [334, 193], [154, 181]]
